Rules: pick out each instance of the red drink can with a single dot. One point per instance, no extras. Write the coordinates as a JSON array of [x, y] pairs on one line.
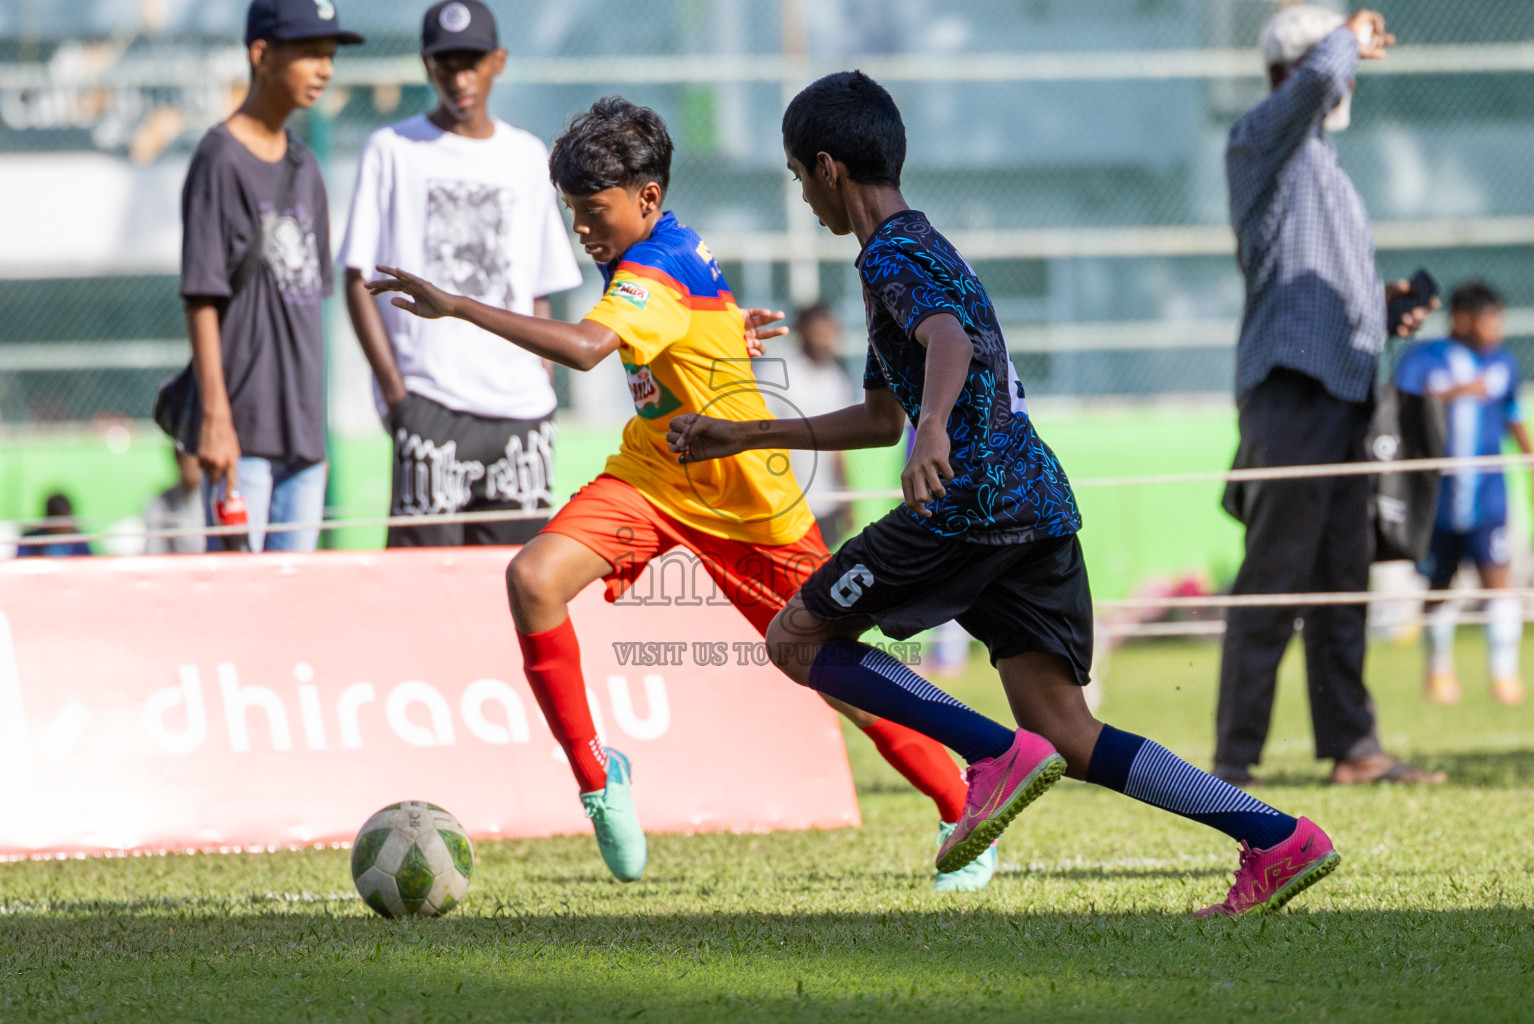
[[230, 511]]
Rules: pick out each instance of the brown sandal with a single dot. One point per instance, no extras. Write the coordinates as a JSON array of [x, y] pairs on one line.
[[1362, 772]]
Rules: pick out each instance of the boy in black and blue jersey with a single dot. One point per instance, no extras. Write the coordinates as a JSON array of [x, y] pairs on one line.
[[986, 535]]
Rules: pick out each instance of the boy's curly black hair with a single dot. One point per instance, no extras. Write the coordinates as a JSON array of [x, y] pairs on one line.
[[851, 117], [615, 144]]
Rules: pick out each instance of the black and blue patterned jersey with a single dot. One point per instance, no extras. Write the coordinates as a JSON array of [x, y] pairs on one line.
[[1008, 486]]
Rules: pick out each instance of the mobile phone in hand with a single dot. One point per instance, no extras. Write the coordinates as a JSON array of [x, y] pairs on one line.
[[1423, 291]]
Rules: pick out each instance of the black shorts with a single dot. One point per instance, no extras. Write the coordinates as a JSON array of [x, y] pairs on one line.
[[1031, 597], [449, 461]]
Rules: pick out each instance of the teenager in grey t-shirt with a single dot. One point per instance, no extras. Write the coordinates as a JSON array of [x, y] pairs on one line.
[[258, 355], [271, 336]]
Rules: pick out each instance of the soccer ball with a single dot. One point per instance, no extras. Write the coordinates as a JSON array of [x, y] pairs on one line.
[[412, 859]]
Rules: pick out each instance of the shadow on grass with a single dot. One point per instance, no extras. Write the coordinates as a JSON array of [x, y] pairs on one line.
[[1507, 769], [1486, 769], [308, 963], [1093, 873]]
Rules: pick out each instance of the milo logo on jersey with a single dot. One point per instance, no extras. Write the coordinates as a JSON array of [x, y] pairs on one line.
[[635, 295], [652, 399]]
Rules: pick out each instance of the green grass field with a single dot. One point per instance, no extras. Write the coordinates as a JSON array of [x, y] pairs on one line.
[[1430, 918]]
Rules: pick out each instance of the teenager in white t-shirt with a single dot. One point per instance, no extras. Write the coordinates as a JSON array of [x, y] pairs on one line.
[[464, 200]]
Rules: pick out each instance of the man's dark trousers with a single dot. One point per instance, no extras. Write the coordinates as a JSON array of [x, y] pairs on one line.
[[1302, 536]]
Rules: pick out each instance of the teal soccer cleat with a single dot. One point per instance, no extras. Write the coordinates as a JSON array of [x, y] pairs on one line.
[[612, 814], [972, 877]]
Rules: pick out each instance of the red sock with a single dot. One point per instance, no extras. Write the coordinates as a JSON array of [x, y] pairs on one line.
[[552, 662], [925, 764]]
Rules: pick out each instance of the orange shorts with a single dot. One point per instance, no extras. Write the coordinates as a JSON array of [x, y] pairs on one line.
[[612, 518]]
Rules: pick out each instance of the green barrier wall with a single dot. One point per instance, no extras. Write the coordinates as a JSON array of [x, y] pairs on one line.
[[1132, 534]]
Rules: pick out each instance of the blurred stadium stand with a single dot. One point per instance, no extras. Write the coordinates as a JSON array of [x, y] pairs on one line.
[[1073, 151]]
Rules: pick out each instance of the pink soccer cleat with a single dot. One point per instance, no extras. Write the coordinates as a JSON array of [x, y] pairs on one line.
[[1268, 879], [999, 788]]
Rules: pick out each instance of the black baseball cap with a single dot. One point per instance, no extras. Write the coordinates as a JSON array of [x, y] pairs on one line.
[[290, 20], [458, 25]]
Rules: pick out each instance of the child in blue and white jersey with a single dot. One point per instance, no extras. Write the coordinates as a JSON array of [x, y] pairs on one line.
[[1477, 380]]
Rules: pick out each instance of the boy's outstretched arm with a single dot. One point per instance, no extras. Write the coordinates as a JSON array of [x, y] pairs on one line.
[[877, 423], [579, 346]]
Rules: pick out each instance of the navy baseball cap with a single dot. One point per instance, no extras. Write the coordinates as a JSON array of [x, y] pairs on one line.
[[289, 20], [458, 25]]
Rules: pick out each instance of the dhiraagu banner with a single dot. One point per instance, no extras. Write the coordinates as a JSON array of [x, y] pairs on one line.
[[209, 702]]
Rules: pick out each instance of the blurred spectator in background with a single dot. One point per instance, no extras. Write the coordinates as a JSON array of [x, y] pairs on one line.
[[817, 384], [1311, 334], [463, 199], [255, 262], [178, 507], [1477, 379], [60, 514]]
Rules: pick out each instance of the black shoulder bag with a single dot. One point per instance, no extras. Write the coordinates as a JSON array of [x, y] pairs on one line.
[[1402, 505], [1406, 426], [178, 405]]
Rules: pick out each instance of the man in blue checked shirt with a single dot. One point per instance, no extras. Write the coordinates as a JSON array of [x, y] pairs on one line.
[[1311, 335]]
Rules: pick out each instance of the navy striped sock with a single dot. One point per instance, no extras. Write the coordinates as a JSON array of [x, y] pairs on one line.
[[867, 678], [1152, 774]]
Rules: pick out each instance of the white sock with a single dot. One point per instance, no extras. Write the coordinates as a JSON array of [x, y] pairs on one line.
[[1441, 622], [1504, 634]]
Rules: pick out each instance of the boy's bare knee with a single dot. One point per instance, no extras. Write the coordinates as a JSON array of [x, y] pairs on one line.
[[776, 634], [792, 655], [516, 578], [526, 582]]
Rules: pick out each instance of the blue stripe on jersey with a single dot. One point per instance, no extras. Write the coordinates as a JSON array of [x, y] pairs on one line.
[[676, 251]]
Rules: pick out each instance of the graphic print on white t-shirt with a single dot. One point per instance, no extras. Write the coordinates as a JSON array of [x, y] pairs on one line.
[[478, 217], [467, 225]]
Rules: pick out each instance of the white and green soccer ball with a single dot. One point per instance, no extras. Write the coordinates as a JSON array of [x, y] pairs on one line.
[[412, 859]]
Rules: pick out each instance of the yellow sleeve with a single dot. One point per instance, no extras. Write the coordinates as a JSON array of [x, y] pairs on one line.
[[646, 314]]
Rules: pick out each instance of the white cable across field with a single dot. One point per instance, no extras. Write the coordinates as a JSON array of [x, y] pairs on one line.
[[1370, 468], [1216, 627], [1304, 600], [440, 518]]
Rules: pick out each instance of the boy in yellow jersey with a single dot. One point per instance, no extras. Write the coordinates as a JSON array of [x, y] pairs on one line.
[[686, 347]]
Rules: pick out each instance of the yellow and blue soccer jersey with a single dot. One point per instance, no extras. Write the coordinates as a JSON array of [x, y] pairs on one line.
[[684, 350]]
